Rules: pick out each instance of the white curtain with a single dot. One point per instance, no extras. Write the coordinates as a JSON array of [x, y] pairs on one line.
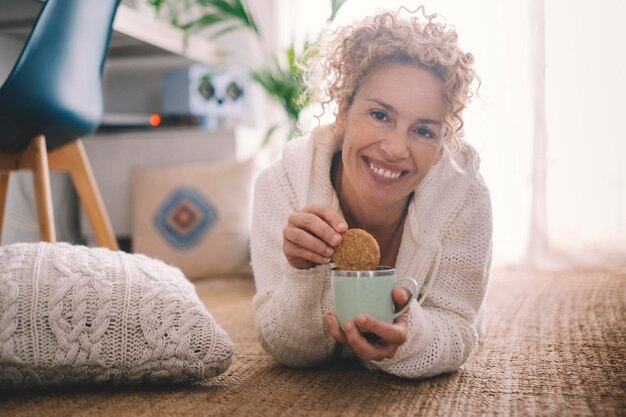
[[585, 91], [548, 119]]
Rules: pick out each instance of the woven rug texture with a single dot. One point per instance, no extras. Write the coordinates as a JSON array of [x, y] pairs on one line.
[[554, 345]]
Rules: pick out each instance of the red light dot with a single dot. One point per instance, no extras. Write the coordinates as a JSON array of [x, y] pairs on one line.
[[155, 120]]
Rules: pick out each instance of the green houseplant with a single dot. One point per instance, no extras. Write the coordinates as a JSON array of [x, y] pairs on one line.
[[191, 15], [281, 80]]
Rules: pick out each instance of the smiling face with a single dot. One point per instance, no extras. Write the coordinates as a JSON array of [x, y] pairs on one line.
[[392, 136]]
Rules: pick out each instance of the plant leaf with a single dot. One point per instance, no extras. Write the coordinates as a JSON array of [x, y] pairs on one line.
[[269, 133], [291, 58], [206, 20], [224, 31], [223, 6], [157, 4], [335, 5], [246, 14], [232, 9], [285, 87]]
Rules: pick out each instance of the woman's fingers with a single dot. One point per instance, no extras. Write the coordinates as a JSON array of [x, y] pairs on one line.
[[299, 242], [316, 225], [391, 336], [401, 296], [329, 215], [303, 259], [311, 236], [364, 349], [389, 333], [332, 326]]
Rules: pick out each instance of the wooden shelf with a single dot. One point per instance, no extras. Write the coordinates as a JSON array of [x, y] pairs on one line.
[[162, 35], [135, 34]]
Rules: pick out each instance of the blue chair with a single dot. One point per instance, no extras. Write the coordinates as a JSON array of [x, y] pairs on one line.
[[52, 98]]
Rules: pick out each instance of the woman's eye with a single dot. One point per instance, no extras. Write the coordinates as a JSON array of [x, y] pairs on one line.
[[424, 133], [379, 115]]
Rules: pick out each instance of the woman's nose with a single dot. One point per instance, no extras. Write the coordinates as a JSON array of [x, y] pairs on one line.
[[394, 145]]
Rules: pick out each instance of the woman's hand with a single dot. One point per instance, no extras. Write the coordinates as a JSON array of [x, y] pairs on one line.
[[311, 236], [390, 335]]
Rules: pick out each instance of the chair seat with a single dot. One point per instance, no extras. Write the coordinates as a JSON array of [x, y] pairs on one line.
[[27, 111], [60, 126]]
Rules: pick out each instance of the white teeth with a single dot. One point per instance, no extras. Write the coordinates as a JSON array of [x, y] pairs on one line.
[[383, 172]]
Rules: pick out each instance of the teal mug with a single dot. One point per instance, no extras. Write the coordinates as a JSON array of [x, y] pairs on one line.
[[369, 292]]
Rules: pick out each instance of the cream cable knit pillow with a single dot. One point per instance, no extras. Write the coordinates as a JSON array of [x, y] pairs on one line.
[[72, 314]]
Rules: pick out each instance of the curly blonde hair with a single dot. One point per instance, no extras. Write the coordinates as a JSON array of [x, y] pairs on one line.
[[337, 65]]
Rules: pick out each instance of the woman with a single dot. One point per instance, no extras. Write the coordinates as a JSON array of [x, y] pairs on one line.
[[394, 163]]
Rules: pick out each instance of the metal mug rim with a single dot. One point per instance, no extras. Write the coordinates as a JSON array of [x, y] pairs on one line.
[[380, 271]]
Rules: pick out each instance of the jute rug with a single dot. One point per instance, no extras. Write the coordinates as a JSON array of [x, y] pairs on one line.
[[555, 345]]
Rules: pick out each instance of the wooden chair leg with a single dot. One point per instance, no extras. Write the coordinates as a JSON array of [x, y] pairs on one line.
[[37, 155], [73, 159], [4, 186]]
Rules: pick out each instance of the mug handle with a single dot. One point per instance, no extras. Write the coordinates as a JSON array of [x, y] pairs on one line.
[[413, 295]]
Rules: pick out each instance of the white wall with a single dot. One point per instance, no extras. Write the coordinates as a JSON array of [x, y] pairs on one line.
[[9, 51]]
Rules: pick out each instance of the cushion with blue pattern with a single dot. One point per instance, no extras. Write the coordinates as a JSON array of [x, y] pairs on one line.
[[194, 216]]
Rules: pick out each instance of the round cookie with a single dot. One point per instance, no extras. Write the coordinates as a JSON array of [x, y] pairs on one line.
[[358, 251]]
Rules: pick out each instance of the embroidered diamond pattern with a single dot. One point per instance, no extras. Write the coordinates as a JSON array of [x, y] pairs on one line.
[[185, 217]]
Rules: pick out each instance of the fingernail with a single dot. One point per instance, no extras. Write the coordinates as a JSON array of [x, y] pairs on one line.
[[342, 225], [329, 251], [348, 326], [336, 238], [360, 319]]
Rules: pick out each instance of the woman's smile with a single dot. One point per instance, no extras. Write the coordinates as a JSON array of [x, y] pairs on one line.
[[382, 173]]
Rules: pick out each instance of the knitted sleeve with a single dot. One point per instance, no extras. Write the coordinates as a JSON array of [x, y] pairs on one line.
[[442, 330], [289, 303]]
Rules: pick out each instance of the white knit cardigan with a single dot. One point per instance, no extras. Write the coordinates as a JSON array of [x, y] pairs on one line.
[[446, 248]]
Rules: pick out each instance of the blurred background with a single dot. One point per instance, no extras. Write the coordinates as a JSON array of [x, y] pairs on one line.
[[547, 120]]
